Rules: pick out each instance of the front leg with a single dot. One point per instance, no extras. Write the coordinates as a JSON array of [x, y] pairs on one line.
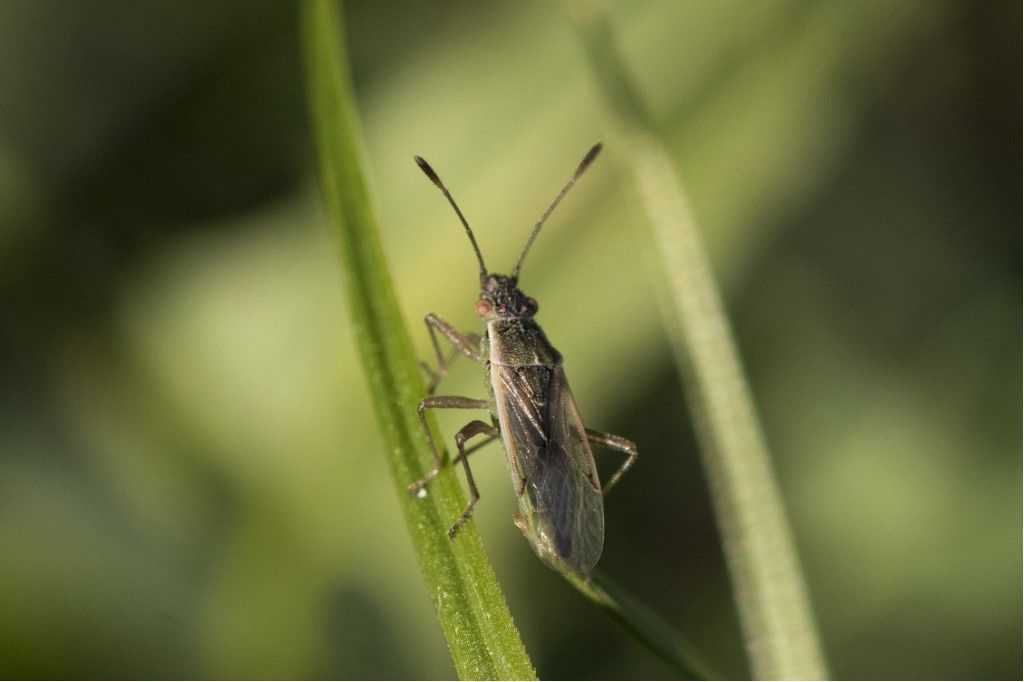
[[466, 343]]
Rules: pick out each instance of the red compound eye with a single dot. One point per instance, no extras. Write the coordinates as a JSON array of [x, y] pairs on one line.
[[483, 306], [531, 305]]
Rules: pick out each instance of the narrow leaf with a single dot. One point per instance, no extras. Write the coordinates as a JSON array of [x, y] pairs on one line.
[[643, 624], [474, 617], [767, 582]]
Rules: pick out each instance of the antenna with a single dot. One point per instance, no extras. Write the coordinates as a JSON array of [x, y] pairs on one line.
[[429, 172], [584, 164]]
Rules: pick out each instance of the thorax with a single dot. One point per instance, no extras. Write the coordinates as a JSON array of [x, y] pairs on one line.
[[518, 343]]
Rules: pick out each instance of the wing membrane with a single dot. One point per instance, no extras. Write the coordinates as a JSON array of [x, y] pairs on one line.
[[551, 464]]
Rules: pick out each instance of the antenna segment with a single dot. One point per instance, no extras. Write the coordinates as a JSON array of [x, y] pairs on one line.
[[584, 164], [429, 172]]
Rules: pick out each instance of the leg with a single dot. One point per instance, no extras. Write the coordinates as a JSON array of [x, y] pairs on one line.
[[480, 445], [471, 429], [619, 443], [466, 343], [440, 402], [434, 376]]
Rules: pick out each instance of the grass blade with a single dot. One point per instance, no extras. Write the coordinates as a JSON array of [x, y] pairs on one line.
[[644, 625], [768, 586], [481, 636]]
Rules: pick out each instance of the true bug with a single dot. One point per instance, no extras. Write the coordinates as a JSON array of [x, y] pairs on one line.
[[532, 409]]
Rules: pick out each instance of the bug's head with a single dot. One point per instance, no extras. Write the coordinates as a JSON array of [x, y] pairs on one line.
[[501, 299]]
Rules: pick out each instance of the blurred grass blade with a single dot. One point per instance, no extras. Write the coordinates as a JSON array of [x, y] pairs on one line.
[[646, 626], [484, 642], [768, 586]]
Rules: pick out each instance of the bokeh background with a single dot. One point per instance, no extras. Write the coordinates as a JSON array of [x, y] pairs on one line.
[[191, 481]]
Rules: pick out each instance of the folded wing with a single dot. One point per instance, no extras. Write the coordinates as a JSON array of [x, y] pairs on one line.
[[558, 487]]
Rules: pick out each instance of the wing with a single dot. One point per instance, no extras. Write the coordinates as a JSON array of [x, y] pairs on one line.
[[560, 501]]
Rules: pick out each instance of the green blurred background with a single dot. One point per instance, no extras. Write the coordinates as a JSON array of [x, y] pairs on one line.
[[191, 481]]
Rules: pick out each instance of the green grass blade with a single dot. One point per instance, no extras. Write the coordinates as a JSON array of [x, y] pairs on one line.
[[483, 640], [643, 624], [775, 614]]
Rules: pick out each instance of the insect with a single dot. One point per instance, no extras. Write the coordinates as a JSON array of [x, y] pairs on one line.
[[561, 510]]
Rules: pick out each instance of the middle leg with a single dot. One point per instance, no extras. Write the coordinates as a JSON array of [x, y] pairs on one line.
[[473, 428], [440, 402]]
